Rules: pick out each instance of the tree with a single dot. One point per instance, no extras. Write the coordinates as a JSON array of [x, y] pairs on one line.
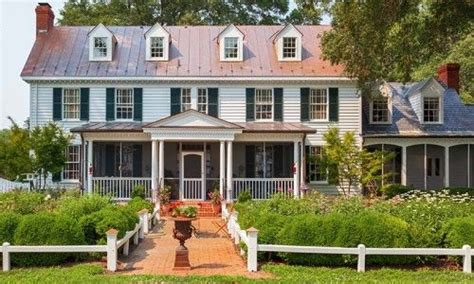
[[307, 12], [14, 151], [49, 144], [173, 12], [348, 165]]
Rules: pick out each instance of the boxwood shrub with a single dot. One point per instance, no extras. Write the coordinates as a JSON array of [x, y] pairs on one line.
[[137, 204], [459, 232], [46, 229], [78, 207], [21, 202], [392, 190], [8, 223]]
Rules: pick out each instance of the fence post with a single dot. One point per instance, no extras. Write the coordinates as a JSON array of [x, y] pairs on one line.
[[112, 249], [252, 235], [6, 256], [144, 216], [126, 247], [467, 259], [135, 237], [361, 258], [236, 229]]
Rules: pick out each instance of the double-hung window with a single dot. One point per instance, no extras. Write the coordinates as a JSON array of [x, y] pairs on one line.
[[100, 47], [431, 109], [71, 169], [202, 100], [318, 101], [317, 173], [186, 99], [263, 104], [124, 104], [157, 47], [71, 103], [380, 110], [289, 47], [231, 47]]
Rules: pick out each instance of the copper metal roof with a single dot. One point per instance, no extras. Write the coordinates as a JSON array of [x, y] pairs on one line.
[[194, 51], [109, 127]]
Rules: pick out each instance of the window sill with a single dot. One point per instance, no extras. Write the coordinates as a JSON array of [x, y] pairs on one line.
[[319, 183], [318, 120], [381, 123], [71, 120]]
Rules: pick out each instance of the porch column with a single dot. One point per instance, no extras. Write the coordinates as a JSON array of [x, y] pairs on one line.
[[404, 166], [161, 167], [154, 170], [296, 170], [90, 169], [229, 171], [425, 167], [222, 168], [446, 166]]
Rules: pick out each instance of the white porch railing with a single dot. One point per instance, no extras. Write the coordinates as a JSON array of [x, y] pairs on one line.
[[192, 188], [120, 188], [262, 188]]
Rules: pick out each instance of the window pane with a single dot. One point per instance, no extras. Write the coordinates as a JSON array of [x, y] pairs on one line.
[[231, 47], [156, 47], [380, 112], [316, 171], [185, 99], [71, 169], [289, 47], [71, 103], [202, 100], [100, 47], [263, 104], [318, 101], [124, 104], [431, 109]]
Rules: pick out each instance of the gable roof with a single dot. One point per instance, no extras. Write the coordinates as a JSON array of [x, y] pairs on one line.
[[283, 29], [192, 119], [230, 26], [63, 52]]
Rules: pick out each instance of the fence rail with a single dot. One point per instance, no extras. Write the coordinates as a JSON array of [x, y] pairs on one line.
[[250, 238], [120, 188], [6, 185], [111, 248], [262, 188]]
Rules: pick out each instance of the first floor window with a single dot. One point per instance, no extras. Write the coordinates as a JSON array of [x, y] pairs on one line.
[[318, 104], [289, 47], [380, 111], [71, 103], [185, 99], [231, 47], [264, 161], [71, 170], [156, 47], [316, 173], [124, 104], [100, 47], [431, 109], [263, 104], [202, 100]]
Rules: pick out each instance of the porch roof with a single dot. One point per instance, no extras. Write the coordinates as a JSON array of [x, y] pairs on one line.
[[109, 127]]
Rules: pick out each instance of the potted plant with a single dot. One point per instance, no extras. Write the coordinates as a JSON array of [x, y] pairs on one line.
[[165, 196], [182, 216], [184, 212], [216, 201]]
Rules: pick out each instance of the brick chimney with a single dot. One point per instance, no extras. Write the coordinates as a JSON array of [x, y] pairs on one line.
[[44, 18], [449, 74]]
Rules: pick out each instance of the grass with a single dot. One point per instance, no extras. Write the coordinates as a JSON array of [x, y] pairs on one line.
[[89, 273]]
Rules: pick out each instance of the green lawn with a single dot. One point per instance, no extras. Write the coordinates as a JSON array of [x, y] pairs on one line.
[[87, 273]]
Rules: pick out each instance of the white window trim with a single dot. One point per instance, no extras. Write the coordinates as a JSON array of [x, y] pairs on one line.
[[390, 113], [320, 182], [298, 49], [79, 166], [115, 104], [283, 48], [240, 47], [207, 99], [255, 104], [192, 96], [62, 105], [441, 110], [327, 105], [157, 58]]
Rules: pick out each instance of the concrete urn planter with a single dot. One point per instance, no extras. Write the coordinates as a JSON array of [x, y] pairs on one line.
[[182, 231]]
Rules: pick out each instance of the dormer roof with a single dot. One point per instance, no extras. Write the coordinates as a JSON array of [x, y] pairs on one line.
[[229, 28], [157, 28], [100, 27], [283, 30]]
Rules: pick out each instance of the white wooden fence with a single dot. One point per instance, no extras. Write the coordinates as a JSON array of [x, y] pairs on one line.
[[262, 188], [120, 188], [113, 245], [250, 238], [6, 185]]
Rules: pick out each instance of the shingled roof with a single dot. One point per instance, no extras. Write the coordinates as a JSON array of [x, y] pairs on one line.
[[194, 51]]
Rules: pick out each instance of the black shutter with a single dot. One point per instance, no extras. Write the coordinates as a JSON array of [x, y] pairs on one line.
[[307, 161], [249, 161], [213, 102], [304, 104], [137, 160], [57, 103], [250, 104], [110, 104], [175, 100], [278, 104], [85, 104], [333, 104], [278, 161], [137, 104]]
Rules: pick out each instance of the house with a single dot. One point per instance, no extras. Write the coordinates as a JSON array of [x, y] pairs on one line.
[[232, 108]]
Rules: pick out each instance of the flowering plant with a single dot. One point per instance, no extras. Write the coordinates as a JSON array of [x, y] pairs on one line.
[[165, 194], [215, 197]]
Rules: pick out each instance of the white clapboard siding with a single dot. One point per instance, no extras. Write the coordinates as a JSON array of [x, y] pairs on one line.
[[97, 104], [232, 103], [291, 104], [156, 103]]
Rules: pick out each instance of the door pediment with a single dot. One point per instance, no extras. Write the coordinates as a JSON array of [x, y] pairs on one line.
[[192, 119]]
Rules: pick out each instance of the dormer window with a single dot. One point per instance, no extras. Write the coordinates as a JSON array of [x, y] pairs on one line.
[[101, 43], [289, 47], [231, 47], [431, 110], [231, 44], [380, 111], [157, 43], [100, 47]]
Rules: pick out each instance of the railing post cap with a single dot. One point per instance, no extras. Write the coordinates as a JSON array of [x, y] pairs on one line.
[[252, 230], [112, 232], [466, 247], [6, 244], [361, 246]]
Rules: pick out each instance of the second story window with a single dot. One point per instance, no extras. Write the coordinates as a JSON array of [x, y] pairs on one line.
[[71, 104], [100, 47], [431, 110], [124, 104], [380, 110], [185, 99], [318, 101], [202, 100], [263, 104], [157, 47], [231, 47], [289, 47]]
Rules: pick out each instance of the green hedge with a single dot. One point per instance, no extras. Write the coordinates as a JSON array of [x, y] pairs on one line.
[[21, 202], [392, 190], [459, 232], [137, 204], [8, 224], [78, 207], [46, 229]]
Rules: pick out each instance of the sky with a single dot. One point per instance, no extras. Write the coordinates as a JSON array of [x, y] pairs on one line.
[[17, 35]]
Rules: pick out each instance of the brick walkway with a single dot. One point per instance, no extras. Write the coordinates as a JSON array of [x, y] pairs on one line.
[[209, 254]]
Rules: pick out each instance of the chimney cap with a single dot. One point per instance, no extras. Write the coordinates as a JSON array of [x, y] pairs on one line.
[[44, 4]]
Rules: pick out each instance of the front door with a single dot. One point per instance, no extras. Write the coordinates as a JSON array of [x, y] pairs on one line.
[[192, 185]]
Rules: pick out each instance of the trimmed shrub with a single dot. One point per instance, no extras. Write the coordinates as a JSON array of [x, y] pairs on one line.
[[46, 229], [97, 224], [459, 232], [78, 207], [8, 223], [138, 191], [21, 202], [392, 190], [244, 196], [461, 190], [137, 204]]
